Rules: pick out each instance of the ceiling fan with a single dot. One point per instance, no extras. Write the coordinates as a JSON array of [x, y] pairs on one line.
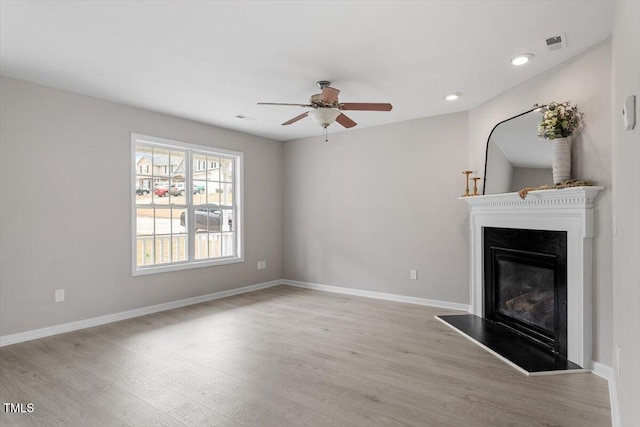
[[326, 109]]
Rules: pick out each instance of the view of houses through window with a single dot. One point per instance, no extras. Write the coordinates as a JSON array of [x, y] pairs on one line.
[[184, 205]]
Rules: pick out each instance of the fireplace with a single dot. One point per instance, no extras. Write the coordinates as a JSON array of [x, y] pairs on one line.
[[569, 210], [525, 280]]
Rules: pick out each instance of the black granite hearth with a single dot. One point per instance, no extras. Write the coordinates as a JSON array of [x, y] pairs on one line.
[[534, 359]]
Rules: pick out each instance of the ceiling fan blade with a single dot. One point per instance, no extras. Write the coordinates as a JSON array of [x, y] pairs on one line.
[[282, 103], [329, 95], [295, 119], [366, 106], [345, 121]]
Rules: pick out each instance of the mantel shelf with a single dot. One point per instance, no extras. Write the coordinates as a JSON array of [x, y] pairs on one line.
[[578, 197]]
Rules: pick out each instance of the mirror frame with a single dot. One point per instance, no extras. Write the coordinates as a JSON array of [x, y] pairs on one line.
[[486, 150]]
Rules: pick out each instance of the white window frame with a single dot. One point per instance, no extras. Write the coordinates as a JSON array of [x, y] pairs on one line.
[[238, 201]]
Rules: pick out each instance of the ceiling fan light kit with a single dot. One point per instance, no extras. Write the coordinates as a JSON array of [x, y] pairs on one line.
[[324, 116], [325, 108]]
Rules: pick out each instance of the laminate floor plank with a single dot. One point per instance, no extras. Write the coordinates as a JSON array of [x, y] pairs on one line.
[[285, 356]]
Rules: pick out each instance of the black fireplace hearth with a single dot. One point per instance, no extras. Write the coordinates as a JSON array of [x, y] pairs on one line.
[[520, 352]]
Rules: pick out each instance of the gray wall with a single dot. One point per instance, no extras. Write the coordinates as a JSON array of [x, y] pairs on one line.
[[369, 205], [66, 208], [585, 80], [531, 177], [626, 208]]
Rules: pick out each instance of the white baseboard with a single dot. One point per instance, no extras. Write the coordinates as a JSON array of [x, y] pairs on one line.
[[379, 295], [123, 315], [602, 370], [606, 372]]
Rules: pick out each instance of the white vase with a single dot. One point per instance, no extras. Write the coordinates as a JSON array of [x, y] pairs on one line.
[[561, 159]]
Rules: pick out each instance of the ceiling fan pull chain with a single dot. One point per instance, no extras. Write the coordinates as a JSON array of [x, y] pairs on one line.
[[326, 135]]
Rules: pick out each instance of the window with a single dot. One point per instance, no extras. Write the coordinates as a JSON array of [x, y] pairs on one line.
[[191, 217]]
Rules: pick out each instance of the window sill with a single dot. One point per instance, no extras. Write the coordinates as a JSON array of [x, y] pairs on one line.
[[143, 271]]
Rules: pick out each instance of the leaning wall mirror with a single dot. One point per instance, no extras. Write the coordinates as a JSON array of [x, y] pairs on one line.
[[515, 158]]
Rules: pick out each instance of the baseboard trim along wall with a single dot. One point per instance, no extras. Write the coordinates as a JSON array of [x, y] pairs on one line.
[[606, 372], [123, 315], [380, 295]]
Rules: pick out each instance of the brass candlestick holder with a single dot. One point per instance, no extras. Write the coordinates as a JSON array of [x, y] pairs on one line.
[[475, 185], [466, 191]]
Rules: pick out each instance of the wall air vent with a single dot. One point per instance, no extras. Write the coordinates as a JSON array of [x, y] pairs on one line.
[[556, 42]]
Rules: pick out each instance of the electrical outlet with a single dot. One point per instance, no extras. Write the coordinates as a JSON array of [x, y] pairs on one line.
[[618, 358], [59, 295], [413, 274], [262, 265]]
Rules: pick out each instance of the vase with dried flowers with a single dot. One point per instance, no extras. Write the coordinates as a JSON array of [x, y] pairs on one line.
[[560, 121]]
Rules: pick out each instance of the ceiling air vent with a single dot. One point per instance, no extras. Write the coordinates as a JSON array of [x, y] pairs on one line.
[[557, 42]]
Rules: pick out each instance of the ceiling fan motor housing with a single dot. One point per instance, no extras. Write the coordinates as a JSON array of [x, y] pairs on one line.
[[317, 101]]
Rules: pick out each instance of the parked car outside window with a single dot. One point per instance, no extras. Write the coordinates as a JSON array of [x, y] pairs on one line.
[[142, 191], [208, 218], [161, 190], [179, 189]]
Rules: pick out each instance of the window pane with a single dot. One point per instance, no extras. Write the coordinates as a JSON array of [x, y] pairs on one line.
[[199, 166], [227, 220], [201, 245], [177, 177], [160, 169], [199, 187], [226, 170], [163, 221], [144, 178], [207, 217], [215, 245], [144, 222], [163, 248], [213, 192], [226, 196], [144, 237], [228, 244], [179, 248], [213, 168], [178, 221], [170, 231]]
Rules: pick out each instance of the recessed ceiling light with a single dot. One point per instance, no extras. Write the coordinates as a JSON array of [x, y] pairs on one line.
[[453, 96], [522, 59]]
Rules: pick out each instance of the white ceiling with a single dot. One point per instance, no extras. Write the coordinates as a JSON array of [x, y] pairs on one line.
[[212, 60]]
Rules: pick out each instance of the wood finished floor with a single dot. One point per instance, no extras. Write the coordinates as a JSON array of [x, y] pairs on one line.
[[285, 356]]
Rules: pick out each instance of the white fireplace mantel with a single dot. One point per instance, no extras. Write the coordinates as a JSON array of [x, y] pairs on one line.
[[570, 210]]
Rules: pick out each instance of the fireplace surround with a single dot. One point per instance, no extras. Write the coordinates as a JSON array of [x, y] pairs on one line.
[[569, 211]]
